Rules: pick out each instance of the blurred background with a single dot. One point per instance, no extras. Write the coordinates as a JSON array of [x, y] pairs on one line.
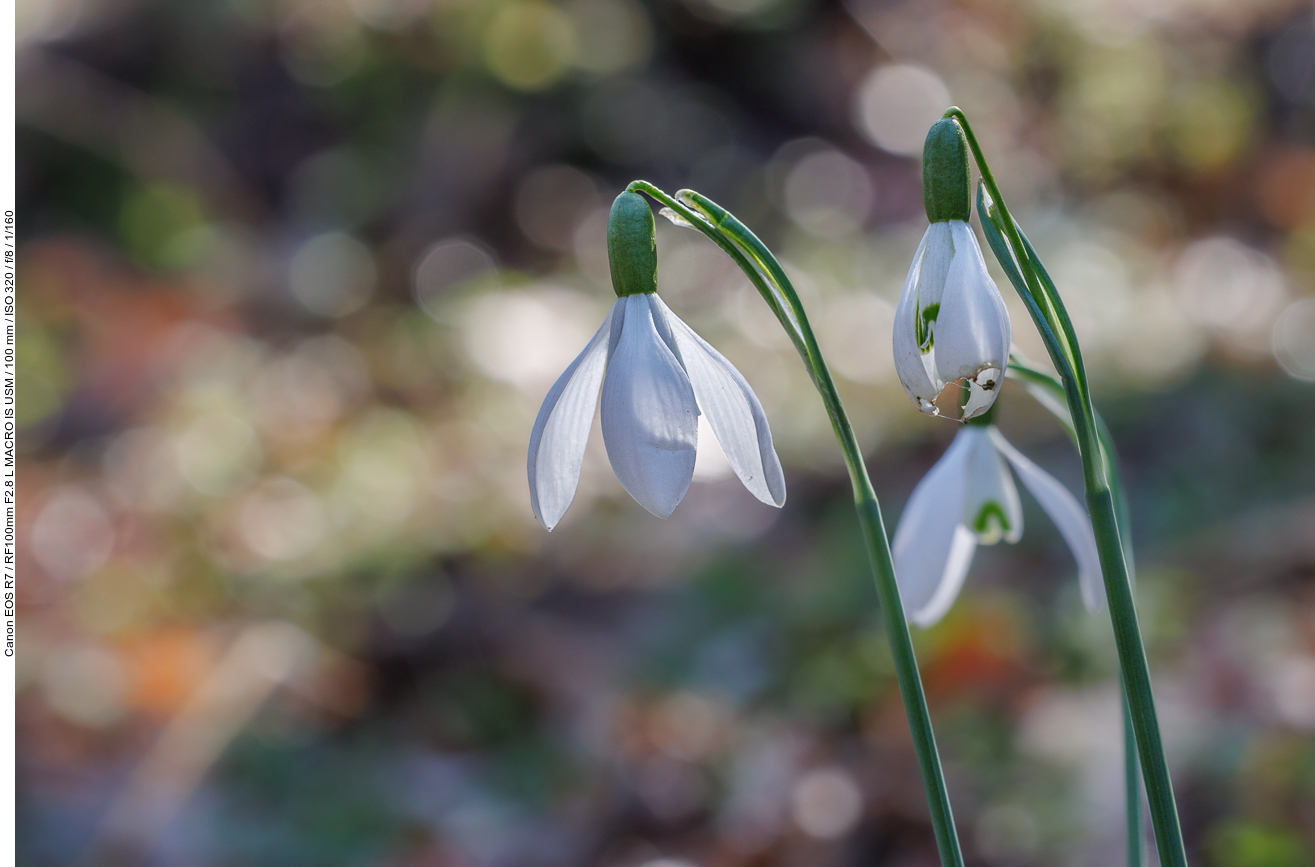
[[296, 275]]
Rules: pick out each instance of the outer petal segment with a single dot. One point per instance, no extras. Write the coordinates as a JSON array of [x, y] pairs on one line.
[[650, 417], [909, 363], [932, 549], [733, 411], [561, 431], [1069, 517], [972, 330]]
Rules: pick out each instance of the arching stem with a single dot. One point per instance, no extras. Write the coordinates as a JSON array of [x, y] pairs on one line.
[[770, 279], [1046, 307]]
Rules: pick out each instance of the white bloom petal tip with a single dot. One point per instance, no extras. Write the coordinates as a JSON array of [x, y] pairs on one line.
[[733, 412], [929, 553], [1069, 517], [561, 431]]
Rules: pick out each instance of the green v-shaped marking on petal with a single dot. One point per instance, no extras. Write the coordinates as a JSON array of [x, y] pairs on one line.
[[990, 510], [922, 326]]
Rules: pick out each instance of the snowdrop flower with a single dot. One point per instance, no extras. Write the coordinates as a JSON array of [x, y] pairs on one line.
[[656, 376], [969, 498], [951, 323]]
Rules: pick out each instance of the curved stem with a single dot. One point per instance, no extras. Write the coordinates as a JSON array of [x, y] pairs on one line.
[[774, 285], [1050, 393], [693, 220], [1047, 311]]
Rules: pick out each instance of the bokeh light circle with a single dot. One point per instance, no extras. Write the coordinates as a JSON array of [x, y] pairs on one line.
[[73, 534], [1294, 339], [529, 44], [85, 684], [445, 267], [282, 519], [828, 195], [551, 201], [332, 275], [1231, 289], [613, 35], [527, 338], [827, 803], [896, 104]]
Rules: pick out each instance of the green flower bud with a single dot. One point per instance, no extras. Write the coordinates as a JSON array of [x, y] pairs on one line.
[[632, 246], [946, 187]]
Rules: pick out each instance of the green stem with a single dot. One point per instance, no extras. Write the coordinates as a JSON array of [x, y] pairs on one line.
[[1131, 784], [1046, 307], [1050, 393], [765, 271]]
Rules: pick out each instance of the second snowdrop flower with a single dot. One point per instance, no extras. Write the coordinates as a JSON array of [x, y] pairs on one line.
[[656, 376], [969, 498], [951, 325]]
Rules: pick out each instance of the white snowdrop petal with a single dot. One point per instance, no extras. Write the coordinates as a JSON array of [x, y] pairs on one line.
[[941, 241], [561, 431], [909, 363], [957, 560], [930, 554], [972, 328], [992, 509], [665, 322], [618, 323], [1068, 515], [733, 412], [650, 417]]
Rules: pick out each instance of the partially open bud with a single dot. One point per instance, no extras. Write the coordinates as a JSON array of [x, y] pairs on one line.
[[632, 246], [952, 330]]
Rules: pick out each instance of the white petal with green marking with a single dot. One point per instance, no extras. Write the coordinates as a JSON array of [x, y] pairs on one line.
[[991, 507], [951, 324], [969, 497]]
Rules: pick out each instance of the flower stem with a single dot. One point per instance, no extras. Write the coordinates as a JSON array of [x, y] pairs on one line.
[[1050, 393], [1046, 307], [1131, 783], [770, 279]]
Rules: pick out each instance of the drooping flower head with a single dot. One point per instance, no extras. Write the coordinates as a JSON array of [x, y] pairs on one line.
[[656, 376], [969, 498], [951, 325]]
